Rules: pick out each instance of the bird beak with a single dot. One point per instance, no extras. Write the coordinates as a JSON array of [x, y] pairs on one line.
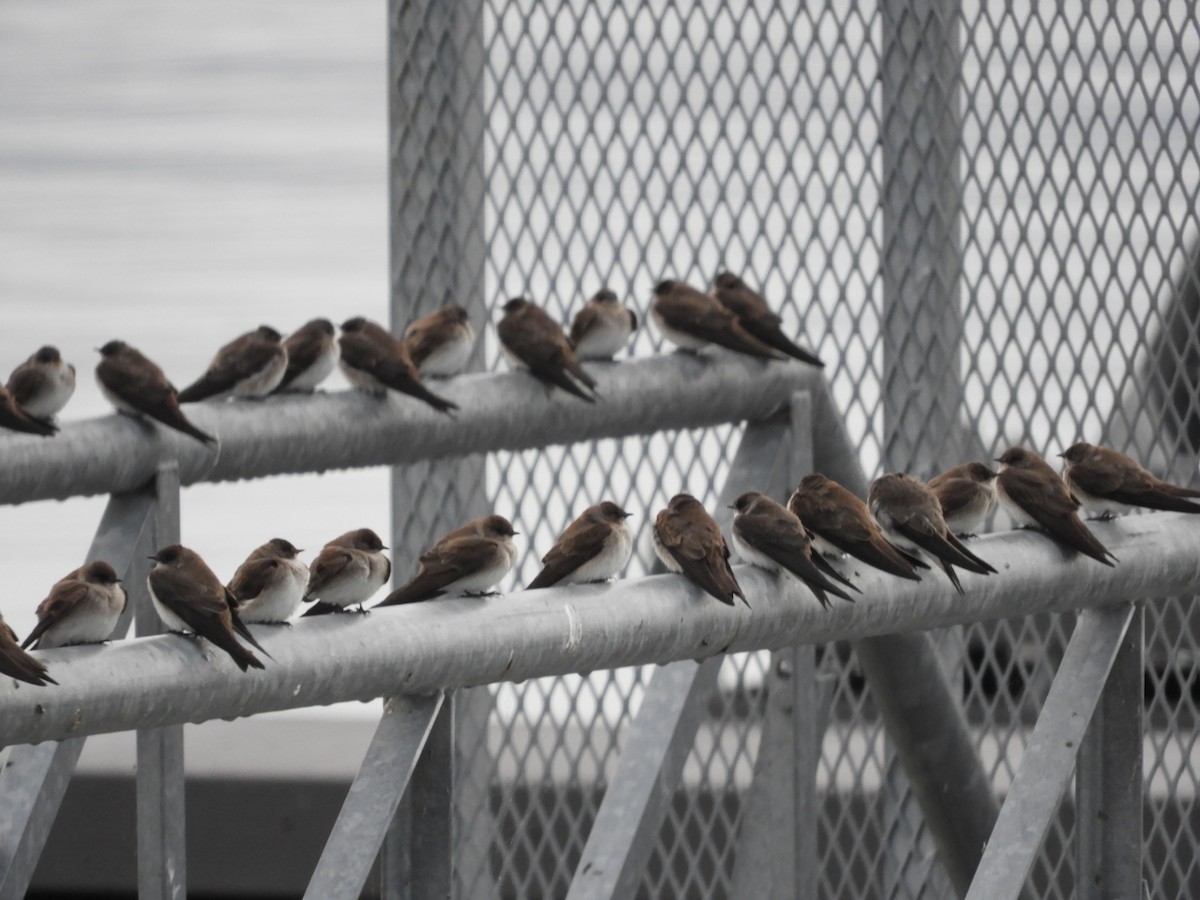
[[997, 459], [731, 506], [151, 558], [515, 533], [1061, 455]]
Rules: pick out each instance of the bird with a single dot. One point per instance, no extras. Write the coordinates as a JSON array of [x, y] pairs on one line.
[[967, 494], [42, 384], [269, 586], [756, 317], [689, 542], [440, 343], [469, 560], [1108, 483], [533, 341], [375, 360], [602, 327], [14, 418], [1037, 497], [347, 572], [910, 514], [82, 608], [16, 663], [251, 365], [594, 547], [692, 320], [840, 523], [188, 597], [136, 386], [312, 353], [768, 535]]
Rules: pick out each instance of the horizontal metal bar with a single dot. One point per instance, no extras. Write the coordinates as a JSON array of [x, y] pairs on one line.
[[424, 647], [349, 429]]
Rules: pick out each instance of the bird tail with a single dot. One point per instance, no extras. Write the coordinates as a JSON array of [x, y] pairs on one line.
[[321, 608], [419, 588], [30, 425], [38, 630], [952, 575], [739, 339], [198, 390], [180, 423], [441, 404], [240, 627], [580, 373], [781, 342], [560, 378], [830, 572]]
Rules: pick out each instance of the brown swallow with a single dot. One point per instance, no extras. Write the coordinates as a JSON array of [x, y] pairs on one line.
[[136, 386], [82, 608], [595, 547], [469, 560], [533, 341], [375, 360], [42, 384], [1037, 497], [1108, 483], [602, 327], [911, 515], [693, 320], [841, 523], [270, 584], [756, 317], [248, 366], [689, 542], [190, 598], [440, 344], [967, 495], [16, 663], [14, 418], [312, 353], [347, 572], [768, 535]]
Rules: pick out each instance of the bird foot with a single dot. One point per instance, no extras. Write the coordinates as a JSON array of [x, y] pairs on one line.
[[362, 610], [481, 593]]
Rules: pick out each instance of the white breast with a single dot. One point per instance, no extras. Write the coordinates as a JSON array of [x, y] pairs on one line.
[[752, 556], [317, 372], [59, 388], [89, 624], [264, 381], [603, 340], [279, 602], [608, 562], [362, 380], [681, 338], [451, 357]]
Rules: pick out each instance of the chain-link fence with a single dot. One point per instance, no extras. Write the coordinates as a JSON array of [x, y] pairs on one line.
[[983, 218]]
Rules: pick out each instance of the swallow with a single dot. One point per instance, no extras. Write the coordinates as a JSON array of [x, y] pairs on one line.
[[533, 341], [595, 547], [136, 386], [469, 560], [375, 360], [689, 542], [14, 418], [1108, 483], [602, 327], [270, 584], [768, 535], [188, 597], [756, 317], [82, 608], [909, 512], [16, 663], [42, 384], [248, 366], [312, 353], [692, 320], [839, 522], [967, 495], [1037, 497], [347, 572], [440, 344]]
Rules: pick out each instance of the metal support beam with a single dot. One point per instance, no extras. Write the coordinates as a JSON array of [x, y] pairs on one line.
[[1049, 758]]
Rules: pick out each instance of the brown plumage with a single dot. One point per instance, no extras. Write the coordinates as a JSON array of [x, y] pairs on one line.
[[533, 341], [42, 384], [602, 327], [757, 318], [14, 418], [251, 365], [348, 571], [312, 353], [1106, 483], [82, 608], [16, 663], [135, 385], [440, 343], [692, 320], [375, 360], [967, 495], [469, 560], [594, 547], [689, 542]]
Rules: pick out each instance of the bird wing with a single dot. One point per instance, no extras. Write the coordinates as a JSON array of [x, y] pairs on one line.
[[330, 563], [63, 600], [579, 543], [252, 577], [442, 566]]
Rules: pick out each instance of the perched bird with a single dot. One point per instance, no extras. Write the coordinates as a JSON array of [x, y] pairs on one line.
[[967, 494], [16, 663], [188, 597], [270, 584], [347, 572], [768, 535], [595, 547], [532, 340], [910, 513], [693, 320], [375, 360], [82, 608], [689, 542], [1037, 497], [42, 384], [469, 560], [248, 366], [1108, 483], [602, 327], [841, 523], [136, 386], [756, 317], [14, 418], [440, 344], [312, 353]]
